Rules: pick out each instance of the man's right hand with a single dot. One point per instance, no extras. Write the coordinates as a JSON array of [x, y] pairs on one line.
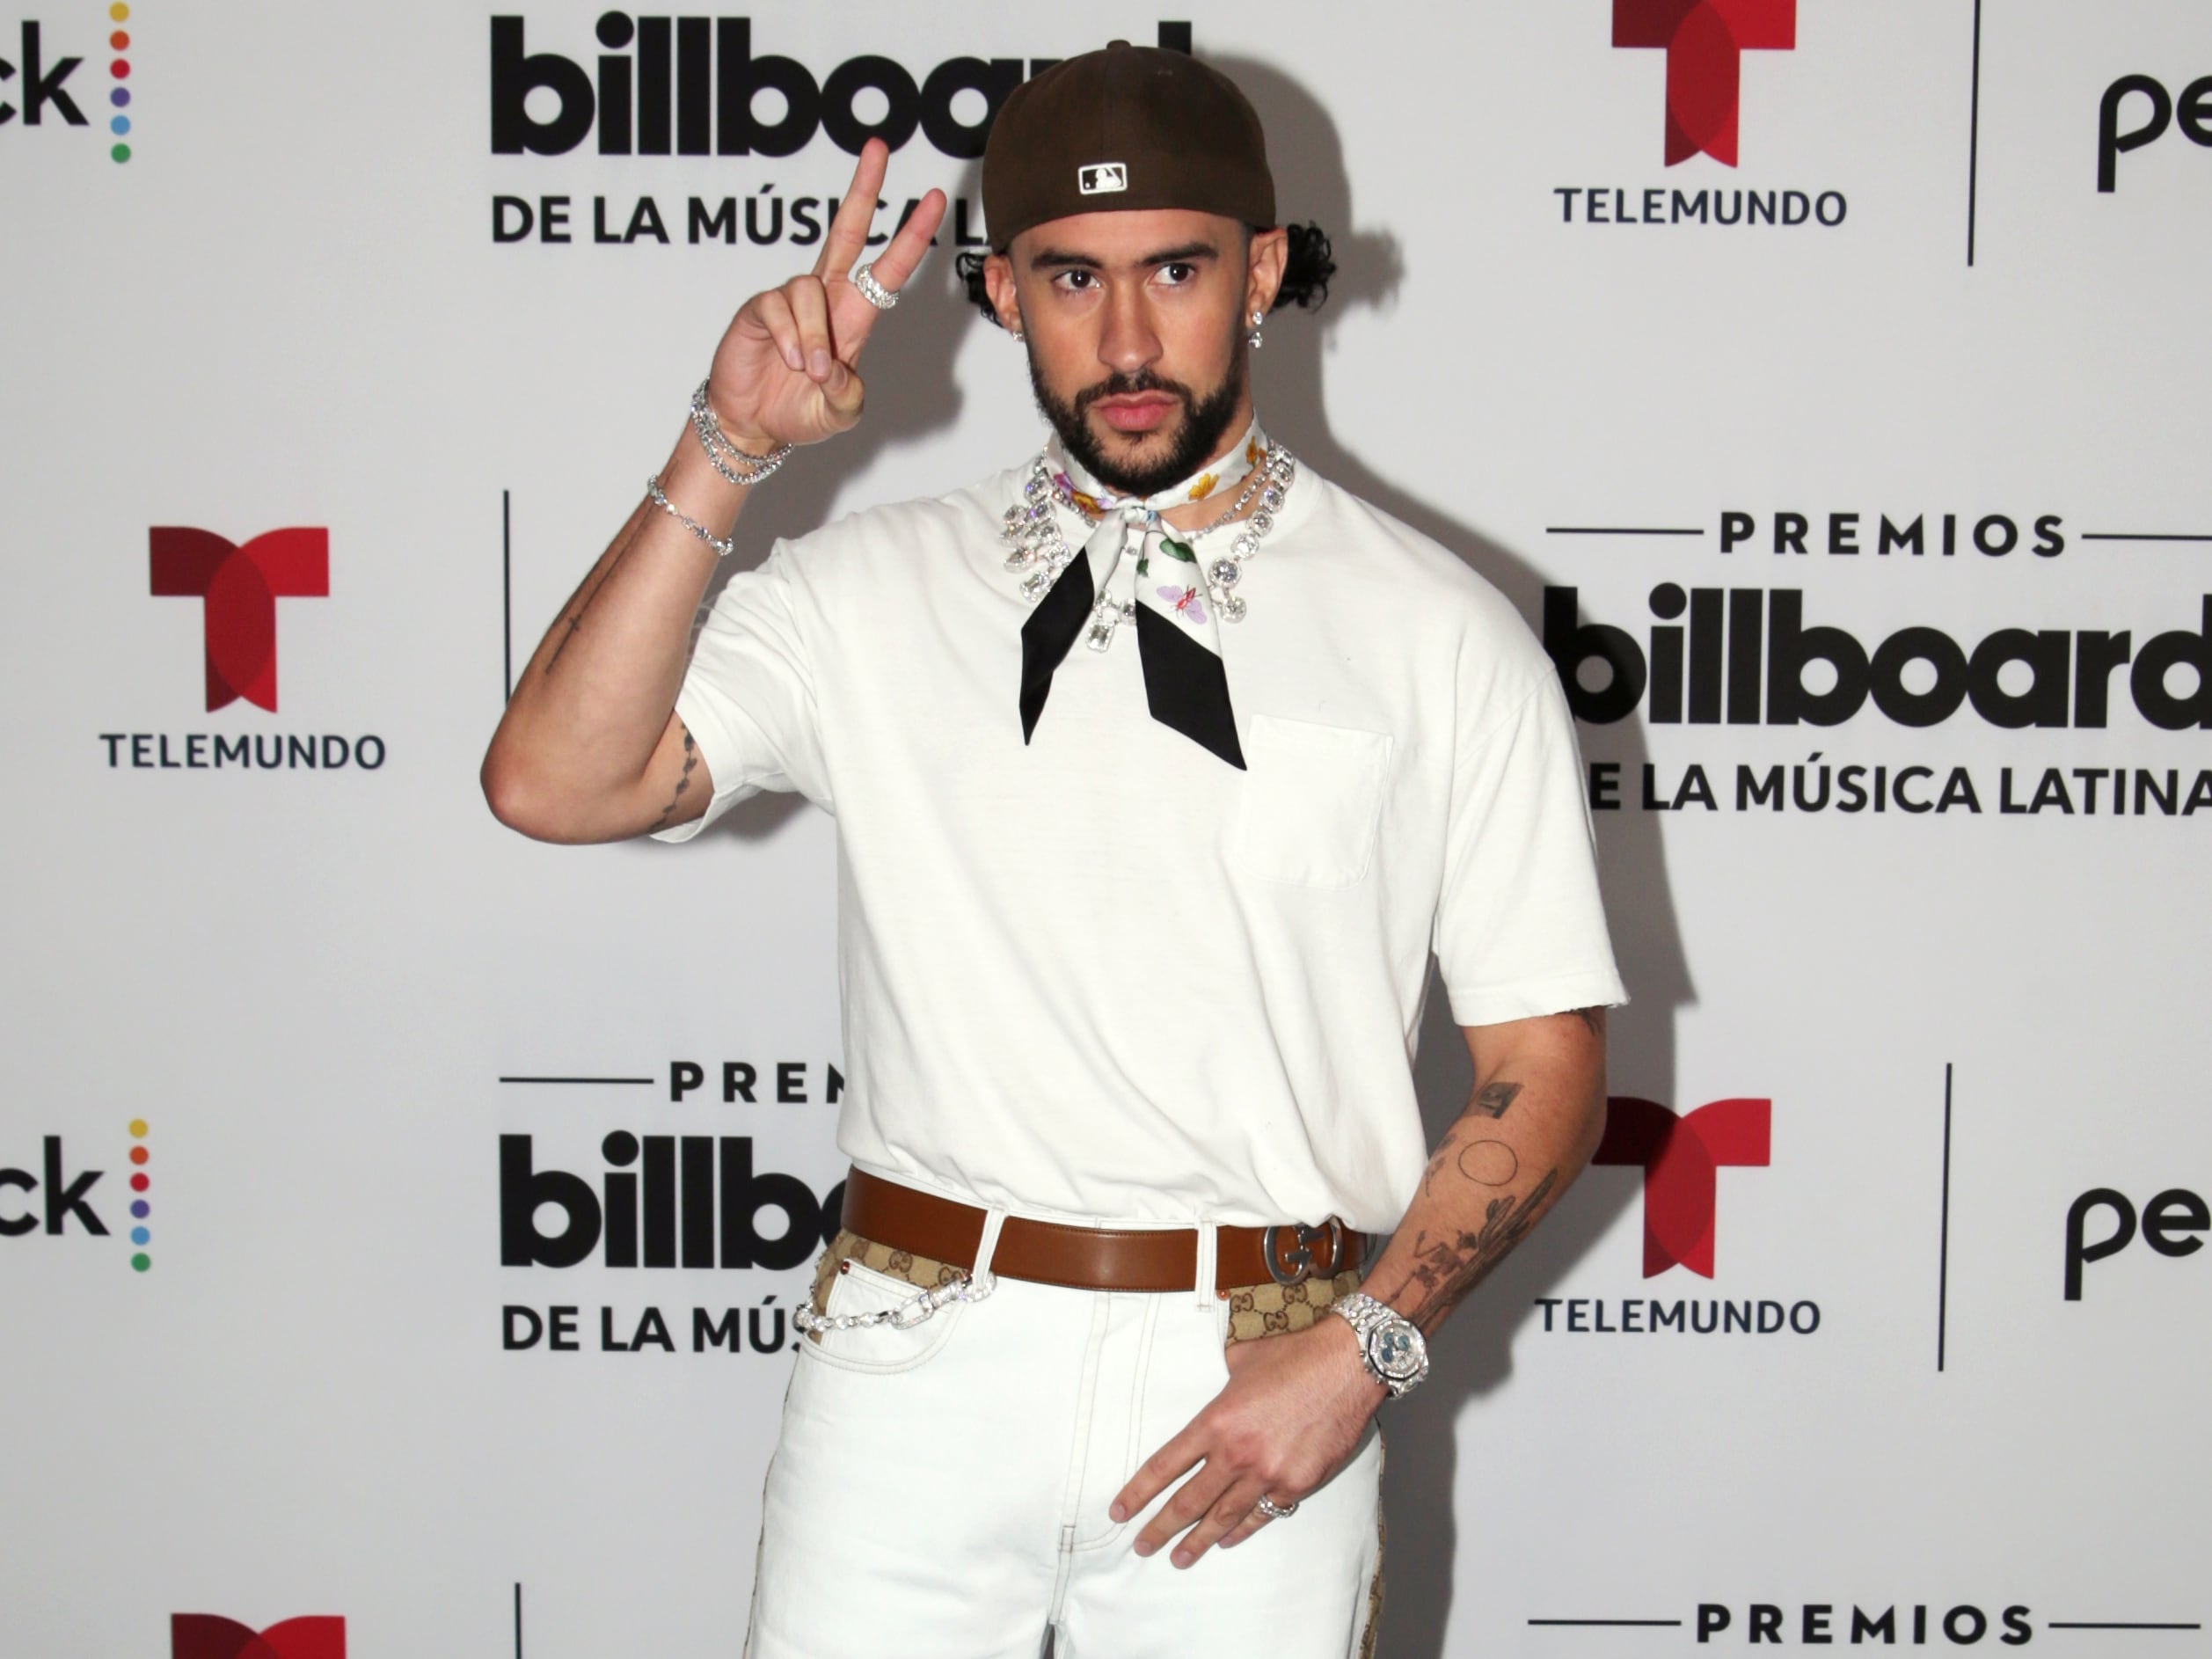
[[588, 749], [786, 370]]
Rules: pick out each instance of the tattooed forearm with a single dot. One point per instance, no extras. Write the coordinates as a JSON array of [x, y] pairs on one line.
[[682, 782], [575, 621], [588, 590], [1494, 1098], [1488, 1163], [1446, 1269], [1531, 1124]]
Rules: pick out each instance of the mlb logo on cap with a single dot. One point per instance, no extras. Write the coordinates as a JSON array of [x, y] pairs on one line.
[[1101, 178]]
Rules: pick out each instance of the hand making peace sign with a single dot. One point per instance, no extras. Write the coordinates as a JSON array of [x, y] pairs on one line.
[[785, 371]]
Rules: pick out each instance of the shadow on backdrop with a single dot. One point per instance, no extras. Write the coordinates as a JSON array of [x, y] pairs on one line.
[[1425, 1502]]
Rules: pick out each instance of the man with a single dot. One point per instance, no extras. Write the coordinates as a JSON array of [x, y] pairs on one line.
[[1134, 936]]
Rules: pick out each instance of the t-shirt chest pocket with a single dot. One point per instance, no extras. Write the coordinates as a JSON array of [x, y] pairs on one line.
[[1308, 802]]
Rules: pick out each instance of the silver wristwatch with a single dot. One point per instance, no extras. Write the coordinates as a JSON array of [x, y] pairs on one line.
[[1390, 1346]]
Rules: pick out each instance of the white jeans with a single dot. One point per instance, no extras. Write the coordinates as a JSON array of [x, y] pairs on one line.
[[941, 1492]]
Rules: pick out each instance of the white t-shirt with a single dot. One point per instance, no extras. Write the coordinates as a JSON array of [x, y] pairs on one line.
[[1106, 977]]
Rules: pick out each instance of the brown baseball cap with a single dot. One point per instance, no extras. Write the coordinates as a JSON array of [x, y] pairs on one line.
[[1124, 130]]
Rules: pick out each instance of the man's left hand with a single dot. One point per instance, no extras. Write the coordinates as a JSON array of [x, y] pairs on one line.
[[1291, 1416]]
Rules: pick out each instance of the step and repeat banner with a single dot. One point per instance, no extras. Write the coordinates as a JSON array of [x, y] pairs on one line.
[[400, 1221]]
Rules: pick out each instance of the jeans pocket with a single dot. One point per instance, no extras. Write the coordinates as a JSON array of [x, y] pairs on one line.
[[885, 1345]]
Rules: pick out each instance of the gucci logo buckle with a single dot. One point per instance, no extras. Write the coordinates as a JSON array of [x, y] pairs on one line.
[[1299, 1261]]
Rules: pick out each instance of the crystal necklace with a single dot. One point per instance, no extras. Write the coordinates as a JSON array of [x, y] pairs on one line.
[[1031, 530]]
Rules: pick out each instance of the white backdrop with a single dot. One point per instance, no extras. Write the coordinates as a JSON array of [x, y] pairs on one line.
[[289, 307]]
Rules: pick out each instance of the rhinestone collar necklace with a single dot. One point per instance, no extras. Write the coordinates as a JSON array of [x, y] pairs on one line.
[[1031, 530]]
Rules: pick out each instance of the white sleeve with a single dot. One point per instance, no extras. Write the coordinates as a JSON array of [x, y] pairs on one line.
[[1520, 929], [748, 698]]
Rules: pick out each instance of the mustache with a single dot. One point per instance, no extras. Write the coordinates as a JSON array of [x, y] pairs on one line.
[[1126, 385]]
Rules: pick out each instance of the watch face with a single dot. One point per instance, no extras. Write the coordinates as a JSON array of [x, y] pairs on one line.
[[1398, 1351]]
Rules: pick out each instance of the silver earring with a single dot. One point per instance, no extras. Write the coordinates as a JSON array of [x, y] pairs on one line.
[[1253, 338]]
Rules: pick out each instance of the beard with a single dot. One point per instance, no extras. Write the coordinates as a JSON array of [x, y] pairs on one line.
[[1190, 443]]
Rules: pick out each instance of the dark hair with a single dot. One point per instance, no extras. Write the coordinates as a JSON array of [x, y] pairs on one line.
[[1306, 269]]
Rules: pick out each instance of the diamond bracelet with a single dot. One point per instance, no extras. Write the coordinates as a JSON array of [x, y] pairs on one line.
[[734, 464], [723, 546]]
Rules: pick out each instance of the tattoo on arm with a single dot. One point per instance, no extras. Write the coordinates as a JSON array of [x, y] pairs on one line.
[[682, 782], [1494, 1098], [580, 600], [1488, 1163], [575, 621], [1446, 1268]]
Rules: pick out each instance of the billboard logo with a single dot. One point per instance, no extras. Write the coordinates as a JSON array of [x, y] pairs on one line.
[[1704, 41], [240, 585], [699, 1207], [1680, 1156], [689, 86], [208, 1636], [1756, 671]]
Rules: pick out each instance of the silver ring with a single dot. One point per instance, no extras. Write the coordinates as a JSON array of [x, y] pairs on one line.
[[873, 291], [1273, 1510]]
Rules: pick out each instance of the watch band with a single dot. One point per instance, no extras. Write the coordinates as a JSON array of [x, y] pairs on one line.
[[1370, 1319], [1362, 1310]]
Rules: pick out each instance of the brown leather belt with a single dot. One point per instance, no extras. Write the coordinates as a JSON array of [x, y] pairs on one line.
[[1094, 1258]]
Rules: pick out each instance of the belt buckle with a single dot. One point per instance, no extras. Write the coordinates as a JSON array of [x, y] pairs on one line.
[[1301, 1258]]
